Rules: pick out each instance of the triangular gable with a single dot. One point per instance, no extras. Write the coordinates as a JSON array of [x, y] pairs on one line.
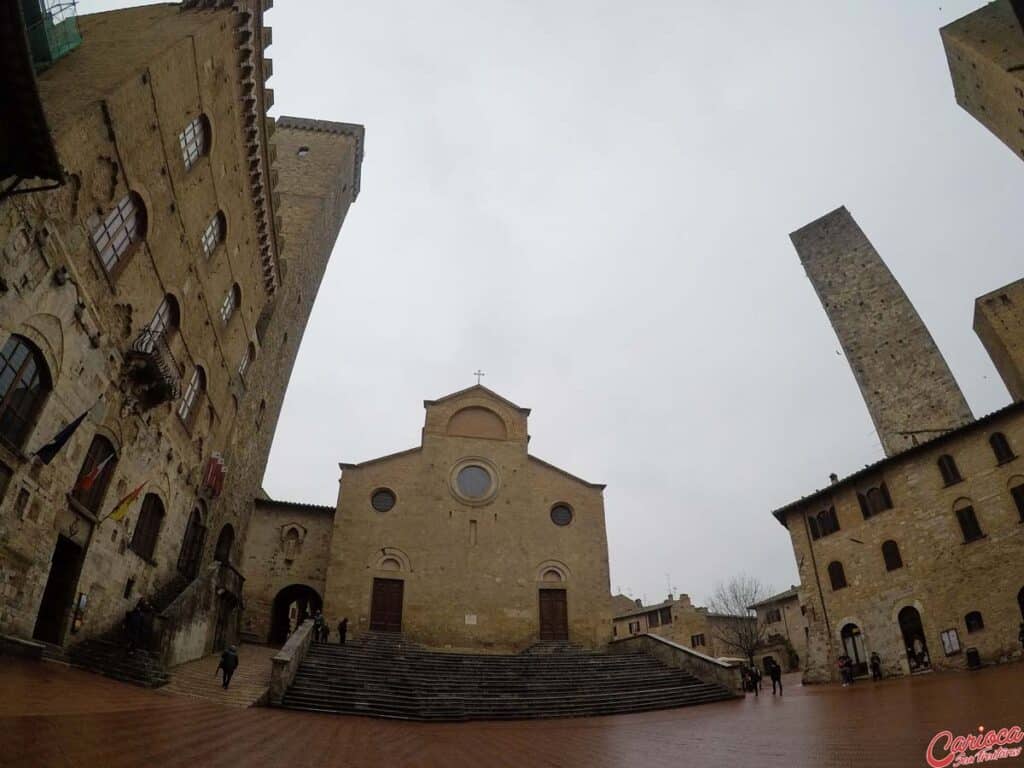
[[477, 388]]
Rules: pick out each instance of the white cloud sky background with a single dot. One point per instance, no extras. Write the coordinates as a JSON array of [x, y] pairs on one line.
[[591, 201]]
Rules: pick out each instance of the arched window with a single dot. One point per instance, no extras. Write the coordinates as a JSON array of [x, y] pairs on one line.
[[225, 541], [24, 385], [1017, 494], [876, 500], [828, 522], [192, 544], [147, 529], [95, 474], [190, 403], [114, 236], [213, 235], [891, 555], [969, 525], [167, 318], [974, 621], [950, 474], [812, 523], [1001, 447], [231, 301], [247, 358], [836, 575], [194, 140]]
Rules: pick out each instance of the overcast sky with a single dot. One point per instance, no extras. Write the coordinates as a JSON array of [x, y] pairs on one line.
[[591, 201]]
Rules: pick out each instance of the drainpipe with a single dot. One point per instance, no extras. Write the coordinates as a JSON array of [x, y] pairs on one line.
[[817, 579]]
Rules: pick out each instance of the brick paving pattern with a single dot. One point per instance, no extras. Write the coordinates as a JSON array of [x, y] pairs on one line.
[[248, 686], [54, 716]]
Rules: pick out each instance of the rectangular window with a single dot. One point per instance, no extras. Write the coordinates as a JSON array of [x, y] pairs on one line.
[[193, 141], [634, 627], [950, 642], [969, 524], [652, 619], [472, 533], [615, 630], [228, 307], [666, 615], [773, 616], [211, 236], [696, 641]]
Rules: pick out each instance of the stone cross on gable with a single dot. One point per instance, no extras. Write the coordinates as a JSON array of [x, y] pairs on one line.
[[478, 375]]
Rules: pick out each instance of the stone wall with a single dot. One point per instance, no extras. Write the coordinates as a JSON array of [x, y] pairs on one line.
[[903, 378], [287, 544], [981, 49], [471, 569], [943, 577]]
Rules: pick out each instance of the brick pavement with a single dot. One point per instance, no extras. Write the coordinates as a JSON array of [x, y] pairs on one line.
[[53, 716]]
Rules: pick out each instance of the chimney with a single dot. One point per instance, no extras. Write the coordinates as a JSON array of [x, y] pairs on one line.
[[833, 478], [639, 603]]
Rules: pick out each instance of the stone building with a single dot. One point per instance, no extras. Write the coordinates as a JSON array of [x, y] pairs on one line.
[[159, 292], [999, 323], [465, 541], [985, 51], [679, 620], [785, 623], [906, 384], [918, 556]]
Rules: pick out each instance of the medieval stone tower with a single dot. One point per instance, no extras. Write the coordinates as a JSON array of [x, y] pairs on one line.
[[999, 323], [906, 384]]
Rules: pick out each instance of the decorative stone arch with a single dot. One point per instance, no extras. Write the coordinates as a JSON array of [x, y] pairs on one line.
[[292, 536], [549, 569], [112, 430], [962, 502], [907, 602], [46, 332], [478, 421], [1014, 481], [390, 556], [150, 230]]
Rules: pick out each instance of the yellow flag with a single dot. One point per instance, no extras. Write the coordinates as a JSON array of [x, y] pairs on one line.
[[125, 504]]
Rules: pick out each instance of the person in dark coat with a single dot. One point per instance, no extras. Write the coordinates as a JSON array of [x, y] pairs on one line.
[[342, 630], [876, 666], [319, 628], [228, 664], [775, 672], [133, 621], [755, 679]]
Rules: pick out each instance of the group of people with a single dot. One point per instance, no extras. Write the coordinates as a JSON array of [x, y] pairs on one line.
[[752, 677], [321, 632], [847, 668]]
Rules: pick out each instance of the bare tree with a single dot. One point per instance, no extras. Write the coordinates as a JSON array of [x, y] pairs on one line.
[[734, 623]]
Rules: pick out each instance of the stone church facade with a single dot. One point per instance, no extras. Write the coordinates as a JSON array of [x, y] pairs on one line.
[[919, 556], [162, 290], [465, 542]]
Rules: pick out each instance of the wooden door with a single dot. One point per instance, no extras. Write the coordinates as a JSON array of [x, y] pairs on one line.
[[554, 617], [386, 606]]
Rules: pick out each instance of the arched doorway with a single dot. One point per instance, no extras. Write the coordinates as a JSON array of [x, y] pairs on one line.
[[853, 646], [225, 541], [192, 545], [293, 605], [913, 639]]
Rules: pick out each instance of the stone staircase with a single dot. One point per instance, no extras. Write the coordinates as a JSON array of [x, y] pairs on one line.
[[108, 655], [382, 675], [249, 686]]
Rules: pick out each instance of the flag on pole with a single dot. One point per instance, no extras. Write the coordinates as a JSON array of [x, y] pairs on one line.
[[52, 448], [125, 504], [86, 481]]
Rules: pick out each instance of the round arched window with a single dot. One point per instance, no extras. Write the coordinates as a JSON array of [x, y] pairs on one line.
[[561, 514], [383, 500], [474, 482]]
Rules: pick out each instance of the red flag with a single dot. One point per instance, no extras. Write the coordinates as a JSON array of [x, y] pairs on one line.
[[85, 482]]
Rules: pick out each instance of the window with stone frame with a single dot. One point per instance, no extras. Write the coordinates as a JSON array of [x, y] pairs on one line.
[[697, 641], [231, 301], [950, 642], [891, 556], [95, 473], [836, 575], [634, 627], [824, 523], [213, 235], [115, 236], [25, 385], [1017, 493], [166, 319], [772, 616], [1001, 447], [652, 619], [948, 470], [194, 140], [147, 529], [974, 622], [876, 499], [193, 397], [969, 525], [665, 614], [247, 358]]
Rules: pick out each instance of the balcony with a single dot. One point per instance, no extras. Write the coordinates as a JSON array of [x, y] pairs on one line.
[[153, 369], [52, 28]]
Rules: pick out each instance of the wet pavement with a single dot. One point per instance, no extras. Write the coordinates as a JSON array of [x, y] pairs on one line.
[[51, 715]]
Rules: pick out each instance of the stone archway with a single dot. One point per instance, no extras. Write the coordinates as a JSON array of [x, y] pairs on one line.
[[225, 541], [292, 605], [1020, 602], [913, 639]]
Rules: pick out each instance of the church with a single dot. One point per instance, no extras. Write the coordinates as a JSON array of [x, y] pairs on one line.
[[466, 541]]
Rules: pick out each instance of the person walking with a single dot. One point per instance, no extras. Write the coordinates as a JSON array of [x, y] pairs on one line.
[[228, 665], [775, 672], [755, 679], [876, 666], [319, 625], [133, 623], [342, 630]]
